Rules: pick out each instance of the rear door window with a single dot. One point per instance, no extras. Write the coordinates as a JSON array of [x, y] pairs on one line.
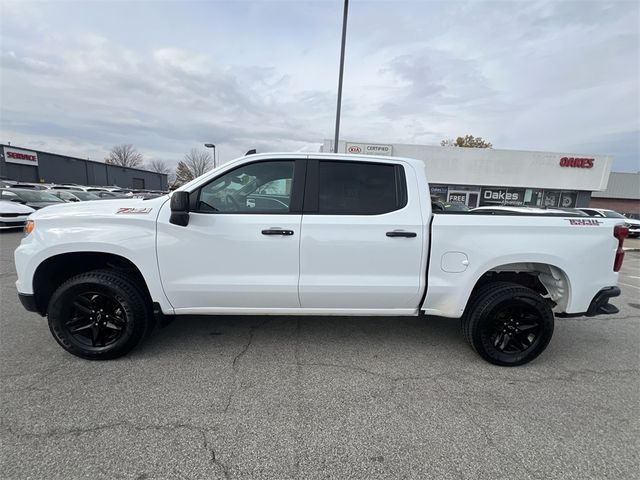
[[359, 188]]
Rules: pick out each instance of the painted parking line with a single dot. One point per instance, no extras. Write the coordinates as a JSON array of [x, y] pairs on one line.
[[628, 285]]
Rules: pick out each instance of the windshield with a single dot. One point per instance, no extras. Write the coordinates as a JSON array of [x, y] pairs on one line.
[[609, 214], [86, 196], [36, 196]]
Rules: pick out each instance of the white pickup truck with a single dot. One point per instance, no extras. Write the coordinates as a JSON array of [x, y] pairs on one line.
[[312, 234]]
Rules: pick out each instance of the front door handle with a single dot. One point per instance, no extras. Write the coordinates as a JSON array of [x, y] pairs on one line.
[[399, 233], [277, 231]]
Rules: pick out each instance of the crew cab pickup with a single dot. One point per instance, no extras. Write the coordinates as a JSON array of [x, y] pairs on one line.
[[312, 234]]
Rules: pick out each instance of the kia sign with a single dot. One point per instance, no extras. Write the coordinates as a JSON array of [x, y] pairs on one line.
[[17, 155], [369, 149], [577, 162]]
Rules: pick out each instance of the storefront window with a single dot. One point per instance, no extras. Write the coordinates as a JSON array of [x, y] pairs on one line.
[[438, 193], [550, 198], [568, 199], [514, 196]]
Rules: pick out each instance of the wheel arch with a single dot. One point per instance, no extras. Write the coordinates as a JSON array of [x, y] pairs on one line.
[[544, 278], [56, 269]]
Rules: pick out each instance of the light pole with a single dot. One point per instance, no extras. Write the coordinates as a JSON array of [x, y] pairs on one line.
[[211, 145], [342, 48]]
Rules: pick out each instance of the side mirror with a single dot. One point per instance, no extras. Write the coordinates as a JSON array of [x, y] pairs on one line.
[[180, 208]]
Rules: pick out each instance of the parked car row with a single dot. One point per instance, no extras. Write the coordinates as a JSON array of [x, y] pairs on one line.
[[100, 191], [19, 200]]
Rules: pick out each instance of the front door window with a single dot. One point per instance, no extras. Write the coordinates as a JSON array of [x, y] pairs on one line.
[[263, 187]]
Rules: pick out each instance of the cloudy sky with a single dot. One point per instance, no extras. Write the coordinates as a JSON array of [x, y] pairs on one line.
[[79, 77]]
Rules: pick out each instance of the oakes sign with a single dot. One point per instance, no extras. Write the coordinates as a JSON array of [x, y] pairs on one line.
[[369, 149], [17, 155], [502, 196], [574, 162]]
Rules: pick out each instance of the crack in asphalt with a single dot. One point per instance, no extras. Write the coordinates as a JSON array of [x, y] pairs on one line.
[[236, 360], [571, 374], [56, 433], [211, 456], [213, 460], [41, 375], [362, 370]]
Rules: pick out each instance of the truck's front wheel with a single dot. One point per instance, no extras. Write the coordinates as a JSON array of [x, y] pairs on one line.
[[508, 324], [98, 315]]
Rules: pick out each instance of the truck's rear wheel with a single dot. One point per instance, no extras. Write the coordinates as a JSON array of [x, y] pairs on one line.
[[508, 324], [98, 315]]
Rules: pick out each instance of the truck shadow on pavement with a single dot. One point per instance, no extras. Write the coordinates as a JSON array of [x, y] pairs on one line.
[[328, 334]]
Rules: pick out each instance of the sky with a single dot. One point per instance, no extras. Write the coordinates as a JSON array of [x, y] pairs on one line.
[[79, 77]]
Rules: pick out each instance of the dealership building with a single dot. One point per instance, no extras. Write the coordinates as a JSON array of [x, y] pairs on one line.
[[28, 165], [487, 176]]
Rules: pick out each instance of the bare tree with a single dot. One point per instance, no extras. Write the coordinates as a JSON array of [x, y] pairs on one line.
[[195, 163], [467, 141], [124, 155], [158, 166]]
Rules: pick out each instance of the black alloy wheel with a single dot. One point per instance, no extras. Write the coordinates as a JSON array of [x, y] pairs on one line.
[[516, 328], [97, 320]]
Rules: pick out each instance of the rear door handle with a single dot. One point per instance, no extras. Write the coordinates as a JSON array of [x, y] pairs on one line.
[[398, 233], [277, 231]]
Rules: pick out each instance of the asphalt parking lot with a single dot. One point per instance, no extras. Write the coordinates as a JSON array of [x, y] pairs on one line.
[[315, 397]]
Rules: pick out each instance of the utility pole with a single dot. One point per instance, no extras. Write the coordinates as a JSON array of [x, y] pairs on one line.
[[340, 75]]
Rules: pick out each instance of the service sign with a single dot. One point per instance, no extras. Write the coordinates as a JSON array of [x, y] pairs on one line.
[[369, 149], [17, 155]]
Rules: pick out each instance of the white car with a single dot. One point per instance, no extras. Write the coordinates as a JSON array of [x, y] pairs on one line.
[[312, 234], [631, 223], [13, 214], [515, 210]]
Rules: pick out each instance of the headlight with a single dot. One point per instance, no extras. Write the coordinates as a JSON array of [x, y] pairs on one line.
[[29, 226]]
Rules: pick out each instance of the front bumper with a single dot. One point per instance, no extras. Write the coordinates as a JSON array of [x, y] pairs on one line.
[[599, 305], [28, 302]]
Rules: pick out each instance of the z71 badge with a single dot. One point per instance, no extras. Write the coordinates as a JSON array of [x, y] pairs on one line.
[[589, 222], [142, 211]]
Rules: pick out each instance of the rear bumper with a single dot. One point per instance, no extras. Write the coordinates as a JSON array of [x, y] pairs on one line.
[[28, 302], [599, 305]]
